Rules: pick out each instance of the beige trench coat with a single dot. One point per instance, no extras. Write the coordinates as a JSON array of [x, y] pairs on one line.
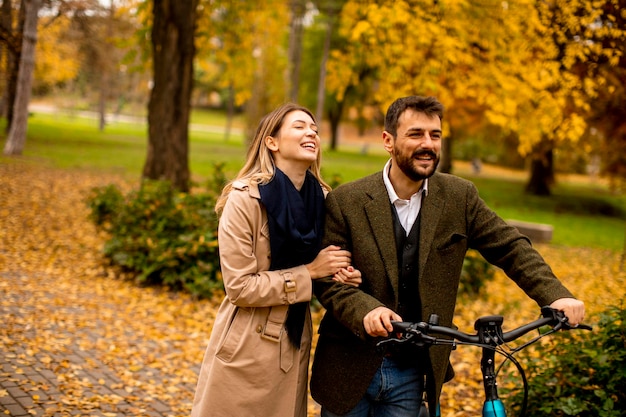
[[250, 368]]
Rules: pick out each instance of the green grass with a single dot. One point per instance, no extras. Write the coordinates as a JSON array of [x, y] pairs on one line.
[[73, 142], [214, 118], [583, 213]]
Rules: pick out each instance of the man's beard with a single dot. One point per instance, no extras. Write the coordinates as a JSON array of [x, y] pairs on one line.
[[406, 164]]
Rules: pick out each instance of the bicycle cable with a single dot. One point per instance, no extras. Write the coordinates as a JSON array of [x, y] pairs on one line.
[[509, 356]]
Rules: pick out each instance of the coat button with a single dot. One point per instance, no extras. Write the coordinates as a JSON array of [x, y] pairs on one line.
[[259, 328]]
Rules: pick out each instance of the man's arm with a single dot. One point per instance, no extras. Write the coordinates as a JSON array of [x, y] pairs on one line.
[[502, 245], [348, 304]]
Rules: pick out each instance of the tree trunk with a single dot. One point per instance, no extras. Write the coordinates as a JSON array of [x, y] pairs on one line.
[[13, 70], [541, 171], [17, 133], [334, 118], [14, 48], [6, 22], [230, 111], [321, 85], [259, 103], [173, 32], [105, 70], [298, 7]]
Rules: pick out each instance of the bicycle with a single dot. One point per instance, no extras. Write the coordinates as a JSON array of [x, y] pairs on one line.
[[490, 338]]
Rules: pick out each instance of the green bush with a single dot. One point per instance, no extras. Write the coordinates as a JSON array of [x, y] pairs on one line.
[[579, 373], [104, 202], [476, 272], [161, 236]]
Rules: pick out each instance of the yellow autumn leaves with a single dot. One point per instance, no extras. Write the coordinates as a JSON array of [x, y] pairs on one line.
[[514, 59]]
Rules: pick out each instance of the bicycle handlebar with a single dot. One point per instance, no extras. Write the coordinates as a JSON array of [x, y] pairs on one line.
[[489, 330], [489, 336]]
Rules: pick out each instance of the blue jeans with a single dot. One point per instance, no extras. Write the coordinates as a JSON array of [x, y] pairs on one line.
[[394, 392]]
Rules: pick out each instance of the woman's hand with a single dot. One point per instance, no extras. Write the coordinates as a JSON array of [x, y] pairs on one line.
[[349, 276], [328, 262]]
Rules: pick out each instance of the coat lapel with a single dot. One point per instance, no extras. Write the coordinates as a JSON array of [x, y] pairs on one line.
[[431, 212], [379, 216]]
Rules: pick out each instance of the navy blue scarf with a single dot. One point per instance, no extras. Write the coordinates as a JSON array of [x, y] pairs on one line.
[[295, 225]]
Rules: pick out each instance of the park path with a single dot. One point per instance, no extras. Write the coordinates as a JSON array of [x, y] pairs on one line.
[[52, 361], [74, 341]]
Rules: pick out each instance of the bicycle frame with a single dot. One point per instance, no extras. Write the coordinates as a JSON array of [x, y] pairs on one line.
[[489, 336]]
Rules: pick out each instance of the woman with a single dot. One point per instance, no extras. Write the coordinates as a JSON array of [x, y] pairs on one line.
[[256, 363]]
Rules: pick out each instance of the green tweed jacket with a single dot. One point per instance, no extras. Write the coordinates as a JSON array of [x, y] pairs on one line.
[[453, 219]]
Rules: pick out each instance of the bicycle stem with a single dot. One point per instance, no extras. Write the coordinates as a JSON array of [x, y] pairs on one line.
[[493, 406], [487, 366], [490, 335]]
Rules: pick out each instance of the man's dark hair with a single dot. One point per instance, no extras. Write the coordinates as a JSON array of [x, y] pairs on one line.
[[430, 106]]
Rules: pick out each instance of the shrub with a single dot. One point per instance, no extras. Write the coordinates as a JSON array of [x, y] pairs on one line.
[[580, 373], [476, 272], [161, 236], [104, 202]]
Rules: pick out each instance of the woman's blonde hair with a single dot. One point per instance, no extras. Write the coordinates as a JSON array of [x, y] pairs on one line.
[[259, 166]]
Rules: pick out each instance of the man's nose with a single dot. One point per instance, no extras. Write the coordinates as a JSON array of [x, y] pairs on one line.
[[428, 140]]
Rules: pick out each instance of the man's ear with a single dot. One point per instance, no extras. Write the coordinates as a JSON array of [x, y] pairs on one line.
[[271, 143], [388, 141]]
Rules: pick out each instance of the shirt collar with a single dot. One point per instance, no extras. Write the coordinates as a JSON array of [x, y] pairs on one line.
[[393, 196]]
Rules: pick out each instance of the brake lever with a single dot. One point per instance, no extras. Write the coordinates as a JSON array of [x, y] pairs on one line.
[[407, 338], [412, 336], [581, 326]]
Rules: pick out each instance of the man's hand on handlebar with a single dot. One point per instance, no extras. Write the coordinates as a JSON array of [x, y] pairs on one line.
[[378, 321], [574, 309]]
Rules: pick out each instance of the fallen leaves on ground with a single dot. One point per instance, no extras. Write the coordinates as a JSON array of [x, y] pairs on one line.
[[112, 348]]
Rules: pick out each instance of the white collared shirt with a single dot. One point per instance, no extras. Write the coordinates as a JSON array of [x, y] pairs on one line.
[[407, 209]]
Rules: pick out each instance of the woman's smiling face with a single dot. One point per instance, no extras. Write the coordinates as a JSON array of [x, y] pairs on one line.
[[297, 141]]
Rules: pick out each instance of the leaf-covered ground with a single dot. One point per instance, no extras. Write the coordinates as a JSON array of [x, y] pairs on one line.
[[77, 340]]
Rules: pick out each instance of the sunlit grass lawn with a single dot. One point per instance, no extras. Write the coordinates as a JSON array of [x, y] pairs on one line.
[[583, 214]]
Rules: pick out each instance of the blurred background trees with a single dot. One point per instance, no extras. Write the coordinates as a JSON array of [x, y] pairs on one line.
[[531, 84]]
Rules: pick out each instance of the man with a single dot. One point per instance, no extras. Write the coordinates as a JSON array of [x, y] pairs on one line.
[[408, 229]]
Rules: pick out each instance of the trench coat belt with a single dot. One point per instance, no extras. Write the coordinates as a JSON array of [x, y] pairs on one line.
[[273, 330], [275, 322]]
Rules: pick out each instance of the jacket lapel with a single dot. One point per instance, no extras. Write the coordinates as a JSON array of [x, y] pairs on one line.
[[378, 212], [431, 212]]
